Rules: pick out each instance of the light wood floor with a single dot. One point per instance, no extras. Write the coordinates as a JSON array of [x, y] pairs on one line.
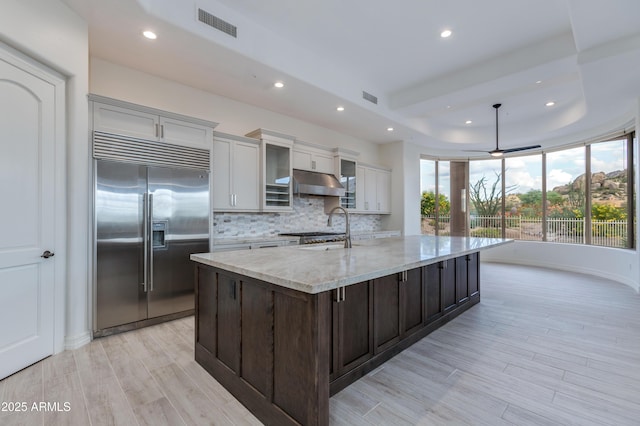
[[542, 348]]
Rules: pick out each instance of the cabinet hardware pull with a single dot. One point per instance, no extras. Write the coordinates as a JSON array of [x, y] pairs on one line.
[[150, 242], [162, 131], [145, 231], [313, 164], [157, 132]]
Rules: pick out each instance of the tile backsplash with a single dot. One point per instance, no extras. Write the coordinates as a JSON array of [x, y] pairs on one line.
[[308, 215]]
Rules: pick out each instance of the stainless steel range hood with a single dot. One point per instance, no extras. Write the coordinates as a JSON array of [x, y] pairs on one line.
[[315, 183]]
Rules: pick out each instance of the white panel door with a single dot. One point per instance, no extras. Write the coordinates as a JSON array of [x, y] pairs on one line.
[[383, 191], [246, 177], [222, 192], [27, 217], [125, 121], [181, 132], [360, 188], [370, 190], [323, 163]]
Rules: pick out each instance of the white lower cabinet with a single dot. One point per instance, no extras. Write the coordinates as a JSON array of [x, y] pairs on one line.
[[236, 173]]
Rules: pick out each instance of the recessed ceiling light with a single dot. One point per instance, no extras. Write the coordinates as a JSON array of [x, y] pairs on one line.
[[150, 35], [550, 103], [279, 84], [539, 82], [389, 129], [340, 108], [446, 33], [468, 122]]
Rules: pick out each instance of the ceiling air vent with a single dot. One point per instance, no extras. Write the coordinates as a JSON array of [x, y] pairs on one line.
[[369, 97], [217, 23]]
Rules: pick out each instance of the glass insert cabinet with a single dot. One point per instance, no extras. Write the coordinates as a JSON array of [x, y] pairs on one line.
[[277, 185], [277, 176], [348, 180]]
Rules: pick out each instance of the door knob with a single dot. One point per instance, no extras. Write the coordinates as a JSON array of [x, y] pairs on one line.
[[47, 254]]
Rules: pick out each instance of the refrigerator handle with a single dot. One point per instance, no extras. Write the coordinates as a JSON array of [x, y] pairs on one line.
[[150, 242], [145, 231]]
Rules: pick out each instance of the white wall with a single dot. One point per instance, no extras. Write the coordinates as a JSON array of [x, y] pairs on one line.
[[119, 82], [615, 264], [51, 33], [404, 159]]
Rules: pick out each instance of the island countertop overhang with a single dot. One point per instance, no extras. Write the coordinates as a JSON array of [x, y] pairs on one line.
[[311, 270]]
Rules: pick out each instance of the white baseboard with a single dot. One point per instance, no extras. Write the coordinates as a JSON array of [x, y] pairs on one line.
[[74, 342], [570, 268]]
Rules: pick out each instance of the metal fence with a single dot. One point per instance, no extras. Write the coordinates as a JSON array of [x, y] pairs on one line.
[[560, 230]]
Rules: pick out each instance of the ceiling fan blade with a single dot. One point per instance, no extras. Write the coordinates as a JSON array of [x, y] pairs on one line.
[[522, 148], [497, 152]]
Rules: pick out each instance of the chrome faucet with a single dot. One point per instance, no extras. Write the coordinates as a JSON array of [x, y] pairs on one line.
[[347, 241]]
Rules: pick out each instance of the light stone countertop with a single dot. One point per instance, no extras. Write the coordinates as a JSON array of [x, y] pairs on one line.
[[313, 268]]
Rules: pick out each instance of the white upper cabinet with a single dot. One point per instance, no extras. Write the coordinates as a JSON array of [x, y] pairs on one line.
[[383, 191], [312, 159], [181, 132], [373, 190], [125, 121], [236, 173], [123, 118]]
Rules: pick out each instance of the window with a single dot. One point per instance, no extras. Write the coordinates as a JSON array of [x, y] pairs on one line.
[[444, 196], [578, 195], [608, 191], [565, 206], [428, 186], [485, 194], [435, 184], [523, 206]]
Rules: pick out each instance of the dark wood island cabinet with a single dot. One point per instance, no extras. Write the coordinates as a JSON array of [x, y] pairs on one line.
[[283, 352]]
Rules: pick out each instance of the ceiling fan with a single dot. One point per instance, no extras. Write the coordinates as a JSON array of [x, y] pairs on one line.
[[500, 152]]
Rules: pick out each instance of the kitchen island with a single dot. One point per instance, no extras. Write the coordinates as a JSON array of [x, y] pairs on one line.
[[285, 328]]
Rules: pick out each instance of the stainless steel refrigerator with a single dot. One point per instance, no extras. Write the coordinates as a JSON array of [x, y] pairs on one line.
[[148, 220]]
